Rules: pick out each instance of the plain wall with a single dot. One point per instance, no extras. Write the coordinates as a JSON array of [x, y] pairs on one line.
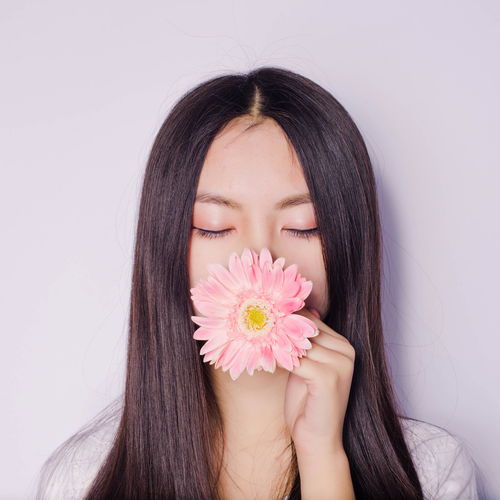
[[84, 89]]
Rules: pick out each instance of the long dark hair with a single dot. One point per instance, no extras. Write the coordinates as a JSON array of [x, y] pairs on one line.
[[169, 440]]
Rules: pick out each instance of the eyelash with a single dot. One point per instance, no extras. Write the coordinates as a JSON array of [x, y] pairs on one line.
[[304, 233]]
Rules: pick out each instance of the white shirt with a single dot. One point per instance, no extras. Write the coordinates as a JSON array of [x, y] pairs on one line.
[[444, 466]]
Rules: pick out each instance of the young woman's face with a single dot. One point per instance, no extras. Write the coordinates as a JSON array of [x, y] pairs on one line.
[[255, 170]]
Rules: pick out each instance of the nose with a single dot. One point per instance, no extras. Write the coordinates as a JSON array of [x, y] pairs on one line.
[[258, 238]]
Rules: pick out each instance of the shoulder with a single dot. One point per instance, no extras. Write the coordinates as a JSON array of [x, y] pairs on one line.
[[71, 468], [444, 465]]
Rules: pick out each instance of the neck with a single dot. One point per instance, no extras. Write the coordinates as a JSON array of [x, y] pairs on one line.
[[252, 406]]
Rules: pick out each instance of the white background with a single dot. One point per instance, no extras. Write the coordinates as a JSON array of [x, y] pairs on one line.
[[84, 89]]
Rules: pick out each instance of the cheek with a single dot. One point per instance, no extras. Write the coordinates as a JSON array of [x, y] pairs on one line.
[[318, 298], [197, 262], [310, 264], [197, 267]]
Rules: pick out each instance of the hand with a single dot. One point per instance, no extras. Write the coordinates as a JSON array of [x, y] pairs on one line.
[[318, 391]]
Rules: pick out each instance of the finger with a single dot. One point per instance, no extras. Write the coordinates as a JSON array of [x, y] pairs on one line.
[[328, 350], [335, 344], [322, 326], [308, 369]]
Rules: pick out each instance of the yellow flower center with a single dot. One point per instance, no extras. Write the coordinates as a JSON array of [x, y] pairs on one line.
[[255, 317]]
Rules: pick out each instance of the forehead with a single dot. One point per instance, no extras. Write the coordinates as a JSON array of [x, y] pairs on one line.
[[252, 165]]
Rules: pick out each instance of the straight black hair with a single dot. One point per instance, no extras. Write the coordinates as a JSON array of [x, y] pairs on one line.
[[169, 440]]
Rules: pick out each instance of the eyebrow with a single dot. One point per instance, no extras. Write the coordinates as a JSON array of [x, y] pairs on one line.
[[216, 199]]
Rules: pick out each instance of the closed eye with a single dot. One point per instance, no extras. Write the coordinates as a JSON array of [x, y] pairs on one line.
[[300, 233]]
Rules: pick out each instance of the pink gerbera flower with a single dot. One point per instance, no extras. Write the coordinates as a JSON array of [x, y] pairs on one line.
[[248, 320]]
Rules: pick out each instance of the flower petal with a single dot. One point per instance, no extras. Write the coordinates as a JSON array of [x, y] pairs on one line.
[[254, 360], [268, 360], [212, 290], [224, 276], [291, 272], [239, 363], [296, 325], [280, 262], [238, 270], [247, 257], [267, 277], [212, 356], [209, 322], [213, 343], [265, 258], [229, 353], [283, 342], [304, 343], [305, 289], [212, 309], [289, 305], [277, 280], [291, 286], [203, 333], [255, 277], [283, 357], [217, 291]]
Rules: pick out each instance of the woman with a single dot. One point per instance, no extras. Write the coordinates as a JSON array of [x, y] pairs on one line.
[[268, 159]]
